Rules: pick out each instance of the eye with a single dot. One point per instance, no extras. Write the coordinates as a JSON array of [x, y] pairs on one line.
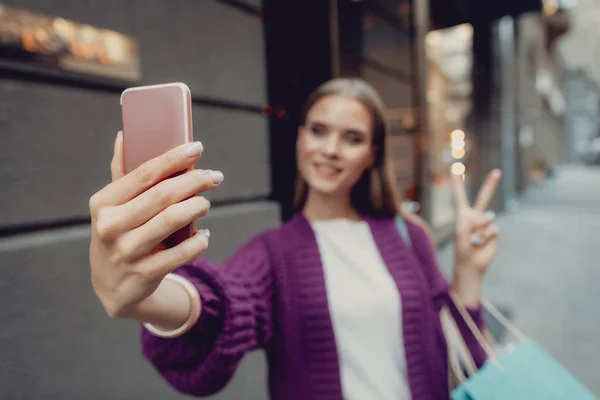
[[318, 129], [354, 137]]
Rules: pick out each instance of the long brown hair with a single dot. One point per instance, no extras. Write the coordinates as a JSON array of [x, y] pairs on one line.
[[375, 193]]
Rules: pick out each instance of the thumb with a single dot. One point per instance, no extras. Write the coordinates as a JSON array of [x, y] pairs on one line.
[[117, 165]]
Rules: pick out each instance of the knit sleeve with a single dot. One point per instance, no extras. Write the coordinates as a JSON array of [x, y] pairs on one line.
[[440, 292], [236, 317]]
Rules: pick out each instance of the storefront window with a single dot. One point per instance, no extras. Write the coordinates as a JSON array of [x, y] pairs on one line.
[[449, 88]]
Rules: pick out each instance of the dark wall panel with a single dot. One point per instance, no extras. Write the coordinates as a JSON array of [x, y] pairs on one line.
[[386, 44], [395, 93], [56, 341], [247, 4], [57, 144], [217, 49]]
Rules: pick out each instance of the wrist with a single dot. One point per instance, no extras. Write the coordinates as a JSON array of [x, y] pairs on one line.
[[468, 272], [174, 303], [173, 309], [467, 285], [145, 309]]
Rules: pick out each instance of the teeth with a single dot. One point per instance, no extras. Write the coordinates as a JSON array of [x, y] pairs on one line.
[[327, 168]]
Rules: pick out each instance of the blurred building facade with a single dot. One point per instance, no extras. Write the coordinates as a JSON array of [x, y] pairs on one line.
[[579, 52], [58, 130], [496, 100], [464, 95]]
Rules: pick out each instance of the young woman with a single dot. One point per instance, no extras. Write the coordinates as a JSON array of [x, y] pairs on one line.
[[343, 307]]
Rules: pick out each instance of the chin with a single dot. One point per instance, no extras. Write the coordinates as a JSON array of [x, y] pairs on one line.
[[328, 189]]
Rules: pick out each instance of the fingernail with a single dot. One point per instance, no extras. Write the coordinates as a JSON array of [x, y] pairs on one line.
[[476, 239], [206, 233], [207, 203], [193, 149], [119, 134], [490, 215], [216, 176]]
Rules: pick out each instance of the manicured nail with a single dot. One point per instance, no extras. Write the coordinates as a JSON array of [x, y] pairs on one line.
[[206, 233], [216, 176], [193, 149], [476, 239], [490, 215]]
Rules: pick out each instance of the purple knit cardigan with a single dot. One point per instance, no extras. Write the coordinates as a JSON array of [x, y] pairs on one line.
[[271, 294]]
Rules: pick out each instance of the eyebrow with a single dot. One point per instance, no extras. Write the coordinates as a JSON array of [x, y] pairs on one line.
[[355, 132], [319, 123], [348, 130]]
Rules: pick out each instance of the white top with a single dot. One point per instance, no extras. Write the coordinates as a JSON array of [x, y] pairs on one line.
[[366, 313]]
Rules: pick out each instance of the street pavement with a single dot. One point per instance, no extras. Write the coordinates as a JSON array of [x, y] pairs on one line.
[[546, 275]]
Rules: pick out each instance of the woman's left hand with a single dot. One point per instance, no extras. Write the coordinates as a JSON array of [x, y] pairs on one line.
[[476, 238]]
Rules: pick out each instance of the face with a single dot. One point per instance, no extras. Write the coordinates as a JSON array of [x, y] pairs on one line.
[[334, 146]]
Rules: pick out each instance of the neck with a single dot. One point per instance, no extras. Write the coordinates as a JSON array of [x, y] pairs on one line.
[[319, 207]]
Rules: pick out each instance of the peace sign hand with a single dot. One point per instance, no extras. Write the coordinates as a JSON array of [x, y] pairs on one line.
[[476, 238]]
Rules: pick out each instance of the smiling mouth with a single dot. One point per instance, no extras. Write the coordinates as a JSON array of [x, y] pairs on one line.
[[327, 171]]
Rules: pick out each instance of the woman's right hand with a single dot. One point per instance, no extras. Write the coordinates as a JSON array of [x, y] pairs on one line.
[[132, 216]]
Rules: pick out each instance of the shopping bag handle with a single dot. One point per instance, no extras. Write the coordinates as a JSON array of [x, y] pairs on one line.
[[484, 342], [456, 346], [509, 326]]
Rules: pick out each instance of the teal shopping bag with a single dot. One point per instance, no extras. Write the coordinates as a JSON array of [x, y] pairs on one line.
[[523, 371]]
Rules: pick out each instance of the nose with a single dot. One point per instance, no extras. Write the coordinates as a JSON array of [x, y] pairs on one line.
[[331, 145]]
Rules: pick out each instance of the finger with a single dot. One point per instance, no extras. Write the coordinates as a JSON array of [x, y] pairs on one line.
[[476, 239], [168, 192], [117, 165], [483, 220], [150, 173], [489, 233], [163, 262], [479, 222], [142, 240], [486, 193], [459, 192]]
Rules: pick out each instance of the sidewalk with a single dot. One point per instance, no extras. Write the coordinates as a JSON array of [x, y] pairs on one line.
[[547, 273]]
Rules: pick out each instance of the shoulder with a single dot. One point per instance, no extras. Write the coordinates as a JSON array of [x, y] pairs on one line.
[[425, 248], [419, 225]]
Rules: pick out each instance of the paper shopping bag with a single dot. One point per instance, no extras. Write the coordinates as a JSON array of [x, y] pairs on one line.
[[523, 371]]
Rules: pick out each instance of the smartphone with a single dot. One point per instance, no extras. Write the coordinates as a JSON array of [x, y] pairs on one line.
[[155, 119]]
